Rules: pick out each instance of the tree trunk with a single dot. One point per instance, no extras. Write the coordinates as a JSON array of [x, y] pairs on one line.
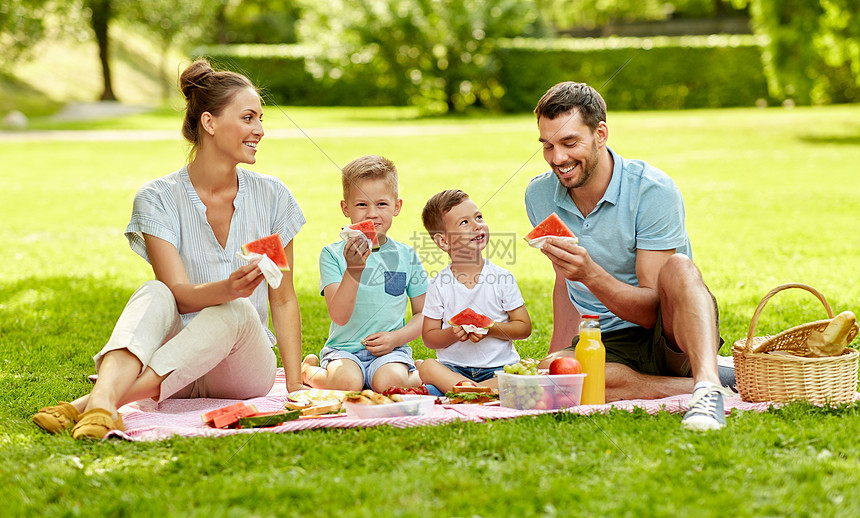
[[100, 18]]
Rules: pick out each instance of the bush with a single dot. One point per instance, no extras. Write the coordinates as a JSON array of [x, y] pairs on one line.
[[657, 73]]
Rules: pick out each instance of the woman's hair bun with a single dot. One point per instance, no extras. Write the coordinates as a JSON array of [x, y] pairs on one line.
[[195, 77]]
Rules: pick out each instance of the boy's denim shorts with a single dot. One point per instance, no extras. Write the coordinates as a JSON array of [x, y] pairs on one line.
[[476, 374], [367, 362]]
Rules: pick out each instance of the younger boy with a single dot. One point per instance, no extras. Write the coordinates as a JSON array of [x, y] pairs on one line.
[[367, 293], [457, 227]]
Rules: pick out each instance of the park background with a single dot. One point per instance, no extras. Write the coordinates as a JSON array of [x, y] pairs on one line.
[[756, 123]]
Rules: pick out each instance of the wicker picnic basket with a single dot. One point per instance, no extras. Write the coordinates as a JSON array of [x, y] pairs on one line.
[[764, 376]]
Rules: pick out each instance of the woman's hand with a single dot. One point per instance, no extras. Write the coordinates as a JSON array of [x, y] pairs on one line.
[[245, 280]]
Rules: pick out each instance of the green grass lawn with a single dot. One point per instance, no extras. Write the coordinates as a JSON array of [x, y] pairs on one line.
[[771, 197]]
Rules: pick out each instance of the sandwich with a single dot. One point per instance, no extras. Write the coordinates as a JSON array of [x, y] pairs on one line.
[[471, 394], [310, 407]]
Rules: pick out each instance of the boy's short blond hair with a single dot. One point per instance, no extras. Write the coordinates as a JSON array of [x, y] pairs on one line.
[[369, 167], [439, 205]]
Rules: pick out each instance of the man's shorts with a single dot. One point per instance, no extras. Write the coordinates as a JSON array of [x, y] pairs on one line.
[[645, 350], [367, 362]]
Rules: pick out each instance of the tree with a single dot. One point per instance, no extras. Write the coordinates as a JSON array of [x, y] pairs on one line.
[[439, 52], [22, 26], [100, 14], [170, 22], [813, 49]]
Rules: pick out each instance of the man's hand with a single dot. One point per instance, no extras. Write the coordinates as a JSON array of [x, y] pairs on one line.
[[570, 260]]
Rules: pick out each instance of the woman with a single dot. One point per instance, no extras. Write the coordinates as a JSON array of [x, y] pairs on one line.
[[201, 328]]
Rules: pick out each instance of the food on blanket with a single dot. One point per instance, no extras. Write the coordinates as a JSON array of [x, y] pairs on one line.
[[263, 419], [270, 246], [565, 365], [546, 401], [368, 229], [421, 391], [471, 317], [314, 402], [525, 367], [470, 393], [833, 340], [370, 405], [297, 403], [541, 392], [551, 226], [332, 406], [228, 416], [369, 397]]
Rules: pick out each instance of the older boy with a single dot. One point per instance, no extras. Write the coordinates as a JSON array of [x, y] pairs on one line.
[[367, 293], [471, 281]]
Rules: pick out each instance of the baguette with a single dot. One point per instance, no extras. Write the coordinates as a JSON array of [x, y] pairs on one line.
[[833, 340]]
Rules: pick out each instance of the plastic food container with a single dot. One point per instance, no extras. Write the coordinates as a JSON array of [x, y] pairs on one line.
[[412, 405], [541, 392]]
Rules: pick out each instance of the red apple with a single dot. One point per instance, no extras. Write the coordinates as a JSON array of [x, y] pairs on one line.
[[565, 365], [466, 383]]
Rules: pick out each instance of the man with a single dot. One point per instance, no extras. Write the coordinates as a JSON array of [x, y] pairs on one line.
[[632, 265]]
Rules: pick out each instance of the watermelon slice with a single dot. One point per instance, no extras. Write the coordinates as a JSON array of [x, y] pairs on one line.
[[208, 417], [228, 415], [551, 226], [270, 246], [368, 229], [229, 420], [471, 317], [262, 419]]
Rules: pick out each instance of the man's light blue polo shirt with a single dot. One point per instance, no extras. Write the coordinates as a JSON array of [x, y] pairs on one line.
[[641, 209]]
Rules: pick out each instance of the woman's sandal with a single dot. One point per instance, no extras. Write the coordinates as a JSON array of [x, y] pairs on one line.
[[57, 418], [95, 424]]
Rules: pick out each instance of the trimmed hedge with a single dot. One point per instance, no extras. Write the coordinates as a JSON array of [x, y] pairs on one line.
[[294, 75], [631, 73], [659, 73]]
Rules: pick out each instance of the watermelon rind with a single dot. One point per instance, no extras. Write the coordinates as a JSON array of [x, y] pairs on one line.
[[471, 317], [271, 247], [551, 226], [261, 420], [368, 228]]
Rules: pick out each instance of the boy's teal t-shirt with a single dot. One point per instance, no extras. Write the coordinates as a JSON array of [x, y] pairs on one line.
[[393, 275]]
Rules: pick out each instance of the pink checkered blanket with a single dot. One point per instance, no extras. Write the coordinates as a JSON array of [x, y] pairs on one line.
[[147, 421]]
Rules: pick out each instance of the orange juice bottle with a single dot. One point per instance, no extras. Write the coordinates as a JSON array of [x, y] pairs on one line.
[[591, 354]]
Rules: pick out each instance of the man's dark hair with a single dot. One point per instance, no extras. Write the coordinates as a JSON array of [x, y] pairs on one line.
[[569, 95]]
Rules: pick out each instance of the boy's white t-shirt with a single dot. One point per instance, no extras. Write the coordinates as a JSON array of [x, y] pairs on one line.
[[494, 295]]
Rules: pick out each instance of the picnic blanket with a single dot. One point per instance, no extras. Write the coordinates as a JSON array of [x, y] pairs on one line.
[[146, 420]]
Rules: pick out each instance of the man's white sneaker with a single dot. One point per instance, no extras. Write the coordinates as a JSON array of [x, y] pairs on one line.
[[706, 410]]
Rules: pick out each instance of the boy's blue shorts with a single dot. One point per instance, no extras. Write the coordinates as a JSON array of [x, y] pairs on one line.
[[476, 374], [367, 362]]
